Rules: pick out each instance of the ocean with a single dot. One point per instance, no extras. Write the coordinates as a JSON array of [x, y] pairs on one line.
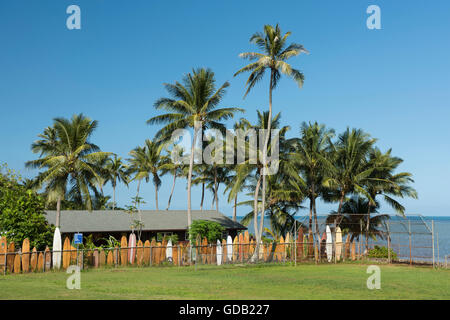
[[420, 241]]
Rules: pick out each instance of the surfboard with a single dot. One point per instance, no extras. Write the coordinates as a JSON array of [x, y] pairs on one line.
[[132, 248], [57, 249], [11, 256], [3, 250], [17, 261], [33, 260], [329, 244], [40, 264], [175, 254], [123, 251], [169, 256], [353, 251], [235, 248], [204, 251], [73, 255], [287, 246], [219, 252], [110, 258], [25, 255], [153, 252], [66, 253], [102, 258], [338, 244], [224, 251], [162, 251], [300, 244], [139, 253], [47, 259], [229, 248], [241, 246], [246, 245], [347, 247], [146, 252]]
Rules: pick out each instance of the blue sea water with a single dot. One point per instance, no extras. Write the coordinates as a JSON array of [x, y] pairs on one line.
[[421, 240]]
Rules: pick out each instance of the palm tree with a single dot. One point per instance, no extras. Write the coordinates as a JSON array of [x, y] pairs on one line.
[[116, 171], [70, 161], [275, 53], [174, 167], [353, 219], [383, 181], [314, 145], [146, 161], [193, 104], [347, 168]]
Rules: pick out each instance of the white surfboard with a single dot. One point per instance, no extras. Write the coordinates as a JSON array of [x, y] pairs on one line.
[[132, 248], [329, 246], [169, 250], [229, 248], [338, 244], [219, 252], [57, 249], [261, 251]]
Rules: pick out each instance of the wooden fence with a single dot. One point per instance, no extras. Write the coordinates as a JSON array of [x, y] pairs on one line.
[[154, 253]]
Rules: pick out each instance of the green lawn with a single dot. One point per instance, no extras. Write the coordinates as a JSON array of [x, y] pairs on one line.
[[342, 281]]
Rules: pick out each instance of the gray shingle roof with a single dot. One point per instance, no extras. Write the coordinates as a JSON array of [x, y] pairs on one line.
[[118, 220]]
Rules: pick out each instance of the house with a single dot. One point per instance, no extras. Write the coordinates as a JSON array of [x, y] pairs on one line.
[[155, 223]]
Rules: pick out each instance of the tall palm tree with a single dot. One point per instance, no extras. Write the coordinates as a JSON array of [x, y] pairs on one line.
[[69, 160], [116, 171], [147, 161], [193, 104], [347, 167], [275, 52], [386, 183]]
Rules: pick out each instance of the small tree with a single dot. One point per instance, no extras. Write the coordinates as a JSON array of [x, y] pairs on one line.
[[22, 212], [205, 229]]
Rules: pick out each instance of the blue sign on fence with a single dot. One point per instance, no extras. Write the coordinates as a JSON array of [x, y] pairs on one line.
[[78, 238]]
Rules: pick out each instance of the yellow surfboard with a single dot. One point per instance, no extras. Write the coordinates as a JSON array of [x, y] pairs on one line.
[[33, 260], [123, 251], [26, 255]]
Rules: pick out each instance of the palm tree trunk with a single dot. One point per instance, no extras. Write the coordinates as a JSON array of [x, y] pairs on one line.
[[171, 192], [235, 208], [203, 196], [191, 166], [255, 220], [114, 197], [58, 211], [156, 197], [137, 193], [341, 203], [316, 222], [367, 226], [266, 143]]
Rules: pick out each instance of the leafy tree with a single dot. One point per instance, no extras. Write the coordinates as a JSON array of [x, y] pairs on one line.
[[22, 212], [210, 230], [193, 104]]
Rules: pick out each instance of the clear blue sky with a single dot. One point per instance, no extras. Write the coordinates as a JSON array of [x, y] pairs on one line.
[[393, 83]]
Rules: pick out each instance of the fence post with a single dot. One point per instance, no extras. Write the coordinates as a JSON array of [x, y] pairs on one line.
[[389, 243], [438, 256], [410, 253], [432, 238]]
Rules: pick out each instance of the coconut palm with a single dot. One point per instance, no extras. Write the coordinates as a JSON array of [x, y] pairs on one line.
[[347, 167], [116, 171], [193, 104], [173, 165], [69, 160], [312, 146], [275, 52], [147, 161], [386, 183]]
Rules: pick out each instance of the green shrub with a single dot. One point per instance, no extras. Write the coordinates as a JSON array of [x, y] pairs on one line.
[[205, 229], [382, 253]]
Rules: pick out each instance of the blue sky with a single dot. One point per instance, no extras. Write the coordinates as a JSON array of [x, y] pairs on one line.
[[394, 83]]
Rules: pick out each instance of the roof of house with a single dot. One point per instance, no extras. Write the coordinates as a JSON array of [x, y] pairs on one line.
[[119, 220]]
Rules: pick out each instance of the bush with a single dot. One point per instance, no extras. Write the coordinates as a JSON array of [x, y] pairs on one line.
[[22, 212], [205, 229], [381, 253]]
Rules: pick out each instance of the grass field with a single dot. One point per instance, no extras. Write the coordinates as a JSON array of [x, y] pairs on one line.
[[342, 281]]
